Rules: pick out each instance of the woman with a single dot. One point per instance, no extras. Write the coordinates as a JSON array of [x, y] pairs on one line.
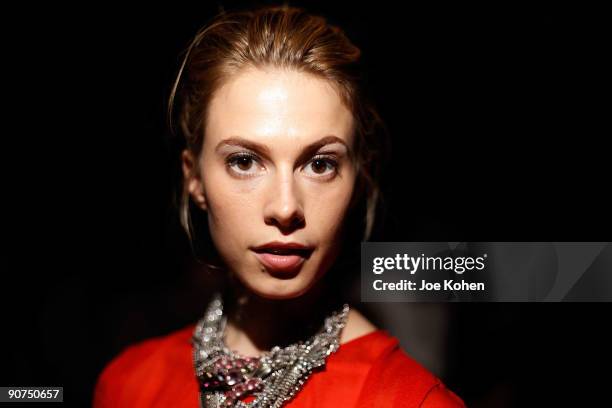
[[280, 158]]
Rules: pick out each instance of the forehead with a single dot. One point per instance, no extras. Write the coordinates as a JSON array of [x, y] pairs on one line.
[[278, 106]]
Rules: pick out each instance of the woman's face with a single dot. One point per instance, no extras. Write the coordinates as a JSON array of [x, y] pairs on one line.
[[276, 166]]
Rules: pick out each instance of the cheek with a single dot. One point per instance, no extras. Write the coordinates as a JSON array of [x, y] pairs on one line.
[[231, 209], [227, 197], [328, 207]]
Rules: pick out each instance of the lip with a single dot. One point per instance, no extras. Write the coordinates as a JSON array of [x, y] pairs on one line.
[[282, 257]]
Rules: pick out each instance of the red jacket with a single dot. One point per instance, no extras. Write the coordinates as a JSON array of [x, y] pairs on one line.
[[368, 371]]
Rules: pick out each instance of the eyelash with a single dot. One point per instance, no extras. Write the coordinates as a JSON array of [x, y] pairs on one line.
[[329, 160], [232, 160]]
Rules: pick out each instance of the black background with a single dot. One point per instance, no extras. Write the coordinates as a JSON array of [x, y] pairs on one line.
[[496, 114]]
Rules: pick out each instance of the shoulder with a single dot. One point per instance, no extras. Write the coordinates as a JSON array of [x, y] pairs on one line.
[[357, 325], [398, 380], [146, 353], [441, 397], [142, 365]]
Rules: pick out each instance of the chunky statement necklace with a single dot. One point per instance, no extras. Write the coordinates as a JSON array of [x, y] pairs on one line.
[[225, 377]]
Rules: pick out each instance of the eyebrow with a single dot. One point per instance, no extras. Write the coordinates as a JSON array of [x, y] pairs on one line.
[[264, 150]]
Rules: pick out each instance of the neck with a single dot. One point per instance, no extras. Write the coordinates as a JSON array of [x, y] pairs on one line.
[[256, 324]]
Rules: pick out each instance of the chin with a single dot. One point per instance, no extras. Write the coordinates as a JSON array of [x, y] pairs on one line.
[[269, 286]]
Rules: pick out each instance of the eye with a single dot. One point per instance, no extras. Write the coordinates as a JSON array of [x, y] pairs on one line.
[[321, 166], [244, 164]]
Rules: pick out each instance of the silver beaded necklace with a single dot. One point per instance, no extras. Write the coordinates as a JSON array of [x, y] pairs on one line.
[[273, 378]]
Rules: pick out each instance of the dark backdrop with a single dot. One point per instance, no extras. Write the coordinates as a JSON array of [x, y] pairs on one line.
[[496, 114]]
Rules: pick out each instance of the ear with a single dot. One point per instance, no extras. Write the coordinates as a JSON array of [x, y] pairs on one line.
[[192, 179]]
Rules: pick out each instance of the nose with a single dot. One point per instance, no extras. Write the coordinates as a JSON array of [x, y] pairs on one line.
[[284, 207]]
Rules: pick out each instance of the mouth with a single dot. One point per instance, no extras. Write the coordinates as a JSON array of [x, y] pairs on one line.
[[282, 257]]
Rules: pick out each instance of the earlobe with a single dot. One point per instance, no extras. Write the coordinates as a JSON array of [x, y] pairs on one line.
[[196, 190], [192, 179]]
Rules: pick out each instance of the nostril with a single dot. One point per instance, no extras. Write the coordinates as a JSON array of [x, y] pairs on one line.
[[297, 222], [287, 225]]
